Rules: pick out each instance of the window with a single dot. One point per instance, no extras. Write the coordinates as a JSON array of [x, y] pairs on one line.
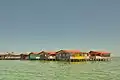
[[80, 54], [63, 54]]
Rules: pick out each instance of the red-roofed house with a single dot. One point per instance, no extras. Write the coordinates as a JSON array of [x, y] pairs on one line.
[[24, 56], [52, 55], [46, 55], [99, 55]]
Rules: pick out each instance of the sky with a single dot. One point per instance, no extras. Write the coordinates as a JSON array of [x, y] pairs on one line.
[[35, 25]]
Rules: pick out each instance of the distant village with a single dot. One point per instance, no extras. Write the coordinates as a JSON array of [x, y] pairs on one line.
[[61, 55]]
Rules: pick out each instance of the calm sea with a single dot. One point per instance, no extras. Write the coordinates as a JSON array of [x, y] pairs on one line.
[[44, 70]]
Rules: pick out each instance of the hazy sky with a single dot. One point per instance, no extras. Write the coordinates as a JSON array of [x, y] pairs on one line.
[[35, 25]]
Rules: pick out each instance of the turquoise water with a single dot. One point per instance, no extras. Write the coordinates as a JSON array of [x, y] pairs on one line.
[[40, 70]]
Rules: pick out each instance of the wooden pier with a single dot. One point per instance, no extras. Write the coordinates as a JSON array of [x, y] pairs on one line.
[[62, 55]]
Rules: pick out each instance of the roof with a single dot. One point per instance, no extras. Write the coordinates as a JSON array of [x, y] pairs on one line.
[[72, 51], [51, 52], [100, 52], [24, 54], [34, 52], [42, 52]]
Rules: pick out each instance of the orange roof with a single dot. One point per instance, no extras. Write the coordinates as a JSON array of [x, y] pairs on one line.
[[101, 52], [72, 51], [51, 52]]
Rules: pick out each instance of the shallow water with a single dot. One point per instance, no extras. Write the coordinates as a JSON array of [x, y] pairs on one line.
[[49, 70]]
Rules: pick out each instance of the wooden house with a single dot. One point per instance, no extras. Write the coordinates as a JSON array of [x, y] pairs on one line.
[[2, 56], [47, 55], [24, 56], [52, 55], [70, 55], [12, 56], [43, 55], [99, 55], [34, 56]]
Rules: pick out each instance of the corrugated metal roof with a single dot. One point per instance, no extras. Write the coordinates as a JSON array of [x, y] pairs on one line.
[[101, 52]]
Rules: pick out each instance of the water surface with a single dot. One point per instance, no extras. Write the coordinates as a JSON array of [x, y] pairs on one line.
[[49, 70]]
